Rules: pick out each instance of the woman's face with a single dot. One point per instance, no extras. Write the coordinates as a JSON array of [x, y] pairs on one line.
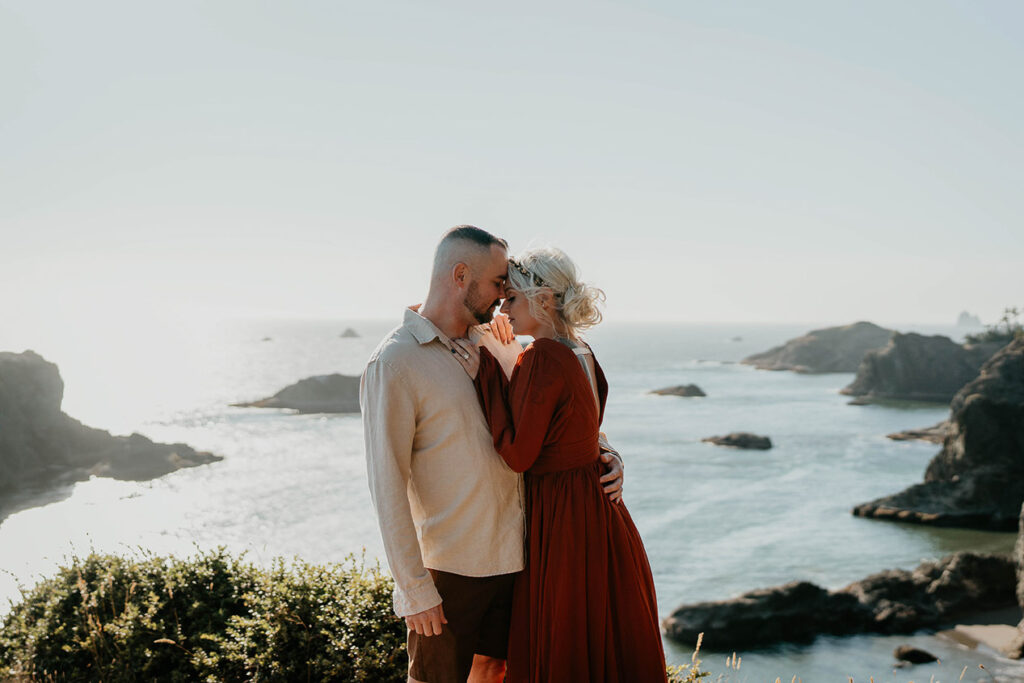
[[517, 308]]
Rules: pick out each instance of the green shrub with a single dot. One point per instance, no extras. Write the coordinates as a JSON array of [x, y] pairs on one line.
[[212, 618], [209, 618], [1006, 330]]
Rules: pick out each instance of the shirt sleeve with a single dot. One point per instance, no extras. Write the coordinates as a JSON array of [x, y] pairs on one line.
[[389, 427], [520, 411]]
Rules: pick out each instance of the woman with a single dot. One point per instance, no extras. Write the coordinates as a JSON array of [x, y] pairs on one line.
[[584, 607]]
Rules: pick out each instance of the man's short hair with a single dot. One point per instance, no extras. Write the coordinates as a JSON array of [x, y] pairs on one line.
[[452, 247], [471, 233]]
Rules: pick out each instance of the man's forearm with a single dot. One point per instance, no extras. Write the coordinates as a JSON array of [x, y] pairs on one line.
[[389, 426]]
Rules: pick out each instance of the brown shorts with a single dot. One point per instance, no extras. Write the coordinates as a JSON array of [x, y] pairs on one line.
[[479, 611]]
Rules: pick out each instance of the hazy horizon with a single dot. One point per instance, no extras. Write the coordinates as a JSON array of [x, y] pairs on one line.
[[701, 162]]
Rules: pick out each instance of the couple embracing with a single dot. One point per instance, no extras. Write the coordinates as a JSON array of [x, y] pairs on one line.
[[498, 498]]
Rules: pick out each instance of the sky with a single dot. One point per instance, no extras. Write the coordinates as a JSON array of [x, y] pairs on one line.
[[752, 161]]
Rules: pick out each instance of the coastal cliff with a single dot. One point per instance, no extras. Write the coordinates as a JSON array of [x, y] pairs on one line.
[[916, 367], [1016, 648], [39, 443], [832, 349], [977, 479]]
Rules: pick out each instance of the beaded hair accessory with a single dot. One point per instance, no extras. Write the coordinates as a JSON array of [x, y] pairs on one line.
[[536, 279]]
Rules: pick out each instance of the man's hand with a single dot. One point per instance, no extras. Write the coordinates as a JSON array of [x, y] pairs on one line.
[[612, 480], [428, 622]]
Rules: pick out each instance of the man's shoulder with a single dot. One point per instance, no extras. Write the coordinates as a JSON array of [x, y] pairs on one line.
[[396, 348]]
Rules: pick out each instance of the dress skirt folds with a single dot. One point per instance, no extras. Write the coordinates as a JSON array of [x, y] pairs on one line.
[[584, 607]]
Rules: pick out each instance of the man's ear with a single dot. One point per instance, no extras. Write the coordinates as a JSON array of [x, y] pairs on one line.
[[460, 274]]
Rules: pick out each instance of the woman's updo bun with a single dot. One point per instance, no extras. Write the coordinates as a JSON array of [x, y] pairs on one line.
[[549, 269]]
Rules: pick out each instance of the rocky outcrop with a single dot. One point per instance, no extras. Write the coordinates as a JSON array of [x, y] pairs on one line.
[[977, 479], [1016, 648], [681, 390], [318, 394], [741, 440], [913, 655], [915, 367], [1019, 552], [895, 601], [349, 333], [39, 443], [934, 434], [833, 349]]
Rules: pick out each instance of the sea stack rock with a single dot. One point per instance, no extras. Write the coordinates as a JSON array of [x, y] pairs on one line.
[[966, 319], [977, 479], [832, 349], [681, 390], [744, 440], [919, 368], [894, 601], [349, 333], [40, 444], [319, 394]]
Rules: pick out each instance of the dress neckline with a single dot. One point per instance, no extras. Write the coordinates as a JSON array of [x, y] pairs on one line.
[[582, 350]]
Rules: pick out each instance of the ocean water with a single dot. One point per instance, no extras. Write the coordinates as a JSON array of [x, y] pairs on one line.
[[716, 521]]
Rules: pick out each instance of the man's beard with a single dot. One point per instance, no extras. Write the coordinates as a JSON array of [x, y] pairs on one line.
[[480, 310]]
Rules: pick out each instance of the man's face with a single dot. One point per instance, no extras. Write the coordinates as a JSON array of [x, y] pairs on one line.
[[487, 287]]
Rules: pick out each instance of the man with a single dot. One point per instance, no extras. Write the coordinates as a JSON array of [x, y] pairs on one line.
[[450, 510]]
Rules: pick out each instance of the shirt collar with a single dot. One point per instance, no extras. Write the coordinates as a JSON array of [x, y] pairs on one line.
[[422, 329]]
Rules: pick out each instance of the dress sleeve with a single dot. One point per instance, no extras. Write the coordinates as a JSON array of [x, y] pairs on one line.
[[519, 410]]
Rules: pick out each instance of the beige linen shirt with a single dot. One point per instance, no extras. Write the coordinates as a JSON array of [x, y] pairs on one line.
[[444, 498]]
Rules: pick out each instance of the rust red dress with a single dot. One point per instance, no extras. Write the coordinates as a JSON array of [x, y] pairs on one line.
[[584, 607]]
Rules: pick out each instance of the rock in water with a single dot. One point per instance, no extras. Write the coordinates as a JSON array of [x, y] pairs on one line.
[[934, 434], [833, 349], [39, 443], [681, 390], [894, 601], [794, 612], [349, 333], [977, 479], [906, 653], [741, 440], [318, 394], [919, 368]]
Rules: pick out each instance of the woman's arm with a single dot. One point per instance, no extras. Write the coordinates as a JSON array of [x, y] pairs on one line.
[[519, 411], [497, 337]]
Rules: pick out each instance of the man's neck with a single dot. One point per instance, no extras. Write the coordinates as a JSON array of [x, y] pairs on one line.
[[451, 323]]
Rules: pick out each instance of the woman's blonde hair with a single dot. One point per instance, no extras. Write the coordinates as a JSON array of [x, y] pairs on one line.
[[548, 269]]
